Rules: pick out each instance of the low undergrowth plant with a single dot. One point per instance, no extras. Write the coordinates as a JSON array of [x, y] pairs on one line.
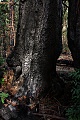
[[1, 81], [2, 70], [2, 60], [3, 96], [73, 112]]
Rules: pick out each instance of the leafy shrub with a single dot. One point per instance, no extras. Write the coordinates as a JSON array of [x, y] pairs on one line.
[[73, 112]]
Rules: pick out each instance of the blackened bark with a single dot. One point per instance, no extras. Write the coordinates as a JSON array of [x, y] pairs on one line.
[[38, 42], [74, 31]]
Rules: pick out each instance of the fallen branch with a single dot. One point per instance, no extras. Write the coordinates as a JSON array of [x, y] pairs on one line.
[[62, 62], [52, 116]]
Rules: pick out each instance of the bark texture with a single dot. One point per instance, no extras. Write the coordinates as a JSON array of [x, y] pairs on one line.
[[74, 31], [38, 43]]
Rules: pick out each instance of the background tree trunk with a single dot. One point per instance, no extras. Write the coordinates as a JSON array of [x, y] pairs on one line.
[[38, 43], [74, 31]]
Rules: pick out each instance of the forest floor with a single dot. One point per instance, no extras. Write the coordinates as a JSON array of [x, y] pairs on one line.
[[52, 108], [49, 107]]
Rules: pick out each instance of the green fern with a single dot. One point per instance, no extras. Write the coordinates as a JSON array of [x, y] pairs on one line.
[[3, 96], [2, 60]]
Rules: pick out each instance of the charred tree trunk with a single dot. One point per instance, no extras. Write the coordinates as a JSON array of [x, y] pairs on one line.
[[38, 43], [74, 31]]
